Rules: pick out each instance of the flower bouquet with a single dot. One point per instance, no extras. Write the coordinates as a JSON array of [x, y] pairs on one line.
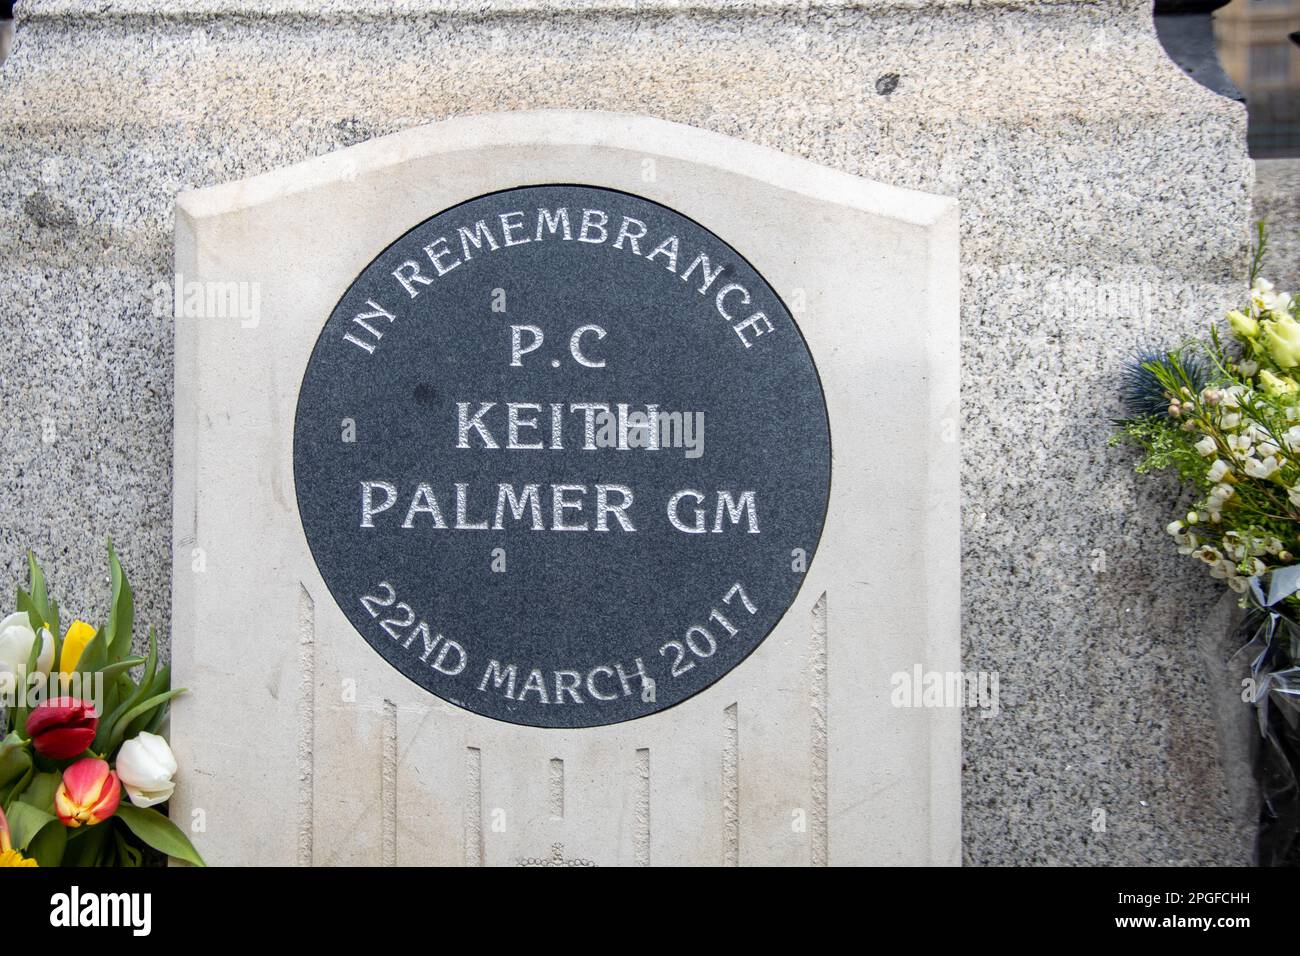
[[1223, 414], [83, 765]]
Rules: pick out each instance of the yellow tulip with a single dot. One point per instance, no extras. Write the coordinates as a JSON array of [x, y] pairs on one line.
[[1282, 338], [79, 635]]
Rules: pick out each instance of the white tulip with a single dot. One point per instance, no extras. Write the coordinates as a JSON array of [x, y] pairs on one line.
[[145, 765], [16, 640]]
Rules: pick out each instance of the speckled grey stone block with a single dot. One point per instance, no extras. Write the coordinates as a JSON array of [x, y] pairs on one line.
[[1277, 202], [1105, 202]]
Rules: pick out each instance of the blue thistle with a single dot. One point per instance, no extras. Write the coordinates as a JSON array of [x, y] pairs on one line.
[[1141, 390]]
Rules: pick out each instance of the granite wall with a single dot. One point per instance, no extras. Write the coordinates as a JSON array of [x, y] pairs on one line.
[[1105, 201], [1277, 203]]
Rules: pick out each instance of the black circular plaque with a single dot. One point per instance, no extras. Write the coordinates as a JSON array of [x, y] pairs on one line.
[[562, 456]]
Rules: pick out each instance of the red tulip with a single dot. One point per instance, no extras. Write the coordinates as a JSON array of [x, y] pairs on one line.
[[62, 728], [89, 793]]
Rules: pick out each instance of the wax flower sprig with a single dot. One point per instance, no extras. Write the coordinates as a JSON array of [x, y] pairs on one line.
[[84, 764], [1223, 413]]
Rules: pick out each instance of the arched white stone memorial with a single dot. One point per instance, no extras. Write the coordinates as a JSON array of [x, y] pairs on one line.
[[302, 745]]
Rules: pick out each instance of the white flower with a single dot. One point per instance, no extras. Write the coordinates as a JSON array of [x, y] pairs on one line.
[[1229, 421], [1239, 445], [16, 640], [1248, 368], [1258, 289], [1209, 555], [1218, 497], [1277, 302], [146, 765], [1222, 492], [1175, 528], [1217, 470], [1206, 446], [1265, 468], [1265, 299]]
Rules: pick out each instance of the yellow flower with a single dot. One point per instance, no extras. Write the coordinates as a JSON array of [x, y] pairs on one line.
[[1282, 337], [1275, 386], [74, 645], [1243, 325]]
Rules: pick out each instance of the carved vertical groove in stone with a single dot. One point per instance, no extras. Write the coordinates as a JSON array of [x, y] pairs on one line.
[[306, 723], [731, 787], [388, 784], [557, 789], [473, 809], [641, 844], [818, 824]]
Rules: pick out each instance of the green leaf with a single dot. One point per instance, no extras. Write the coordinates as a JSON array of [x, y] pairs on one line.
[[127, 855], [49, 845], [161, 682], [156, 721], [24, 603], [86, 845], [159, 832], [106, 726], [15, 758], [16, 788], [151, 665], [55, 632], [121, 618], [119, 729], [15, 767], [95, 657], [112, 670], [38, 833], [19, 714], [36, 582], [40, 791]]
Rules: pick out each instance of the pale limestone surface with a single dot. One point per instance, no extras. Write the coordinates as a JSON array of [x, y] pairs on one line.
[[1105, 201]]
